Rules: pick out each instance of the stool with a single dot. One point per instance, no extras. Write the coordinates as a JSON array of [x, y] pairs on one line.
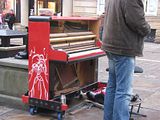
[[137, 69], [136, 103]]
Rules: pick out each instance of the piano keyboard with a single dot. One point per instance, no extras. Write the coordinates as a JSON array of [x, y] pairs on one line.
[[76, 44]]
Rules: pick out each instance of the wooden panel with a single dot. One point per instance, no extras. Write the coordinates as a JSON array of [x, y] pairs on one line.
[[67, 74], [84, 7], [82, 14], [95, 26], [82, 3], [86, 72]]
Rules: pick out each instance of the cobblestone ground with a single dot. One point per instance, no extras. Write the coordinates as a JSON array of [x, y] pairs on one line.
[[146, 84]]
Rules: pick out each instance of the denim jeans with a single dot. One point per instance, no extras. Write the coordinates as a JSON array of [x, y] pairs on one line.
[[119, 87]]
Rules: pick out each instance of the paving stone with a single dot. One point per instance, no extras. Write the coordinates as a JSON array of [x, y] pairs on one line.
[[153, 102], [151, 114], [22, 115], [92, 114], [4, 110]]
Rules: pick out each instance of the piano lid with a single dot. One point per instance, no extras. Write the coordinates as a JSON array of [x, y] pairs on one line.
[[73, 18], [50, 18]]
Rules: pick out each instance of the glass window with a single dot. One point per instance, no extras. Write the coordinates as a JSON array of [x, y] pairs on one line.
[[100, 6], [40, 4], [151, 7], [2, 5], [6, 5], [47, 7]]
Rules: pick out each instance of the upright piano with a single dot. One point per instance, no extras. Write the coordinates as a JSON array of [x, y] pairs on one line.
[[63, 59]]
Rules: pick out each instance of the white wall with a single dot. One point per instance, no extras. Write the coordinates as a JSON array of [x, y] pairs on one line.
[[151, 7], [24, 12], [67, 7]]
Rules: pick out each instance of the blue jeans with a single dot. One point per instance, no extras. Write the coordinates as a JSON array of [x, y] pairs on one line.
[[119, 87]]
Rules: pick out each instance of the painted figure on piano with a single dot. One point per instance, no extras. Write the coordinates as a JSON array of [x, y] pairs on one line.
[[39, 75]]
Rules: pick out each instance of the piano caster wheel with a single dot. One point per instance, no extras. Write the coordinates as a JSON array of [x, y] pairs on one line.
[[32, 110]]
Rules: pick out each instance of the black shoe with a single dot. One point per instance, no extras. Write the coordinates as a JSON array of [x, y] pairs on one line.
[[22, 55]]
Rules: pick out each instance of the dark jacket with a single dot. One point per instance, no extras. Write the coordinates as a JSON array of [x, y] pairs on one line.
[[124, 27], [10, 18]]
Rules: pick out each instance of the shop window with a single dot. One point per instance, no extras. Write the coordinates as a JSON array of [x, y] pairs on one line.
[[6, 5], [46, 7], [40, 4], [2, 5], [151, 7], [51, 5]]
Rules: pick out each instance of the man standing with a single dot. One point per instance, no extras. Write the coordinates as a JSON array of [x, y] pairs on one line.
[[124, 30], [10, 19]]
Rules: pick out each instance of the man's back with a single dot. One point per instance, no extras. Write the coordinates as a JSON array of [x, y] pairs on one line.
[[124, 27]]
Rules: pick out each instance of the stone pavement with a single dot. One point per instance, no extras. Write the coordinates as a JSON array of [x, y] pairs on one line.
[[146, 84]]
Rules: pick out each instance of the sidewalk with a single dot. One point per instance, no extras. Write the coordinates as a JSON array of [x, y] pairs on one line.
[[146, 84]]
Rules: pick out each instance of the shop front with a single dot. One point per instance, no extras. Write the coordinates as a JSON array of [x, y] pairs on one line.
[[6, 5], [47, 7]]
